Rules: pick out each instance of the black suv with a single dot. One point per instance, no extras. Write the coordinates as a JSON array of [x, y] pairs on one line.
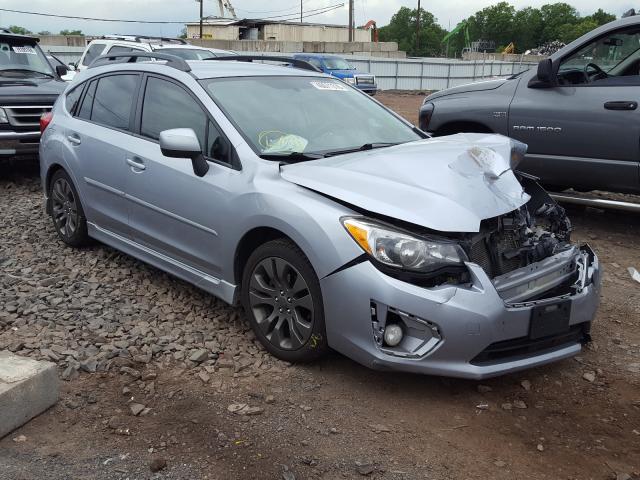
[[29, 86]]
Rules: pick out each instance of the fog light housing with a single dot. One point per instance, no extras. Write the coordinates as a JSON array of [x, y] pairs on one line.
[[393, 335]]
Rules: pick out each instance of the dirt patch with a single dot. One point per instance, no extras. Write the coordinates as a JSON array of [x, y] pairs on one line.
[[576, 419]]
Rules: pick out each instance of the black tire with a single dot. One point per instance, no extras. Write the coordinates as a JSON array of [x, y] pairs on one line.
[[67, 213], [291, 327]]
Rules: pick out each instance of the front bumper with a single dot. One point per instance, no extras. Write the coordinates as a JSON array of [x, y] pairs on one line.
[[370, 89], [14, 143], [475, 333]]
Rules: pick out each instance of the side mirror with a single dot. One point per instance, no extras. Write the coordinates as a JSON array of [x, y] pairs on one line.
[[61, 70], [546, 76], [183, 143], [72, 67]]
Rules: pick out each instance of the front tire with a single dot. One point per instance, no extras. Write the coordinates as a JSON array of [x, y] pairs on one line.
[[281, 296], [66, 211]]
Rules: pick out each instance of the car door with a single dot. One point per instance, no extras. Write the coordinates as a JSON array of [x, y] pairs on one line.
[[585, 131], [95, 138], [171, 210]]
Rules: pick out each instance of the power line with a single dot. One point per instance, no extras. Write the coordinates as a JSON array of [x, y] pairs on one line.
[[309, 13], [88, 18]]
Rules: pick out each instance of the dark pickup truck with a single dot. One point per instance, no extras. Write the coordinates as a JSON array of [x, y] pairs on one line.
[[29, 86], [578, 111]]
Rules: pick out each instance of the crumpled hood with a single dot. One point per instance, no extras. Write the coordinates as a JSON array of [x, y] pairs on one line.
[[448, 184], [470, 87]]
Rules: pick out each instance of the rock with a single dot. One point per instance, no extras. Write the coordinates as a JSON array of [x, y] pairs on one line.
[[157, 464], [252, 411], [380, 428], [236, 407], [199, 356], [482, 406], [519, 404], [365, 468], [526, 384], [204, 377], [499, 463], [484, 388], [269, 399], [89, 365], [540, 447], [507, 406], [115, 423], [288, 475], [589, 376], [136, 408], [623, 476], [130, 371], [20, 439]]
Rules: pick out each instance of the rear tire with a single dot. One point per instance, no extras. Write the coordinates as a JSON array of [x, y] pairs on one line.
[[282, 299], [66, 211]]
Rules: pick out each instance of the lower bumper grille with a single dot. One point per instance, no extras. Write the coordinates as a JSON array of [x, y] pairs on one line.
[[519, 348]]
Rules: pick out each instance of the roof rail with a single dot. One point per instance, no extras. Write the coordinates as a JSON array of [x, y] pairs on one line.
[[295, 62], [144, 38], [172, 61]]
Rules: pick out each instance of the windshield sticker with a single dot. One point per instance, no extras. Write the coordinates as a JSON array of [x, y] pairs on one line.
[[24, 49], [334, 86]]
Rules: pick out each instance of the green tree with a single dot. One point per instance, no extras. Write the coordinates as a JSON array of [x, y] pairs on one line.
[[600, 17], [402, 29], [527, 31], [71, 32], [19, 30], [557, 17], [495, 23]]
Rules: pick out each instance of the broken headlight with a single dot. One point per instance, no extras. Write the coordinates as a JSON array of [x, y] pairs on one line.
[[396, 248]]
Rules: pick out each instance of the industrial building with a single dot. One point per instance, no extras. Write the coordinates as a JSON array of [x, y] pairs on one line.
[[247, 29]]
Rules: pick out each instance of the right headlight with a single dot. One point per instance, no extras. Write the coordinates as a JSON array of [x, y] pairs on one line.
[[402, 250], [3, 116]]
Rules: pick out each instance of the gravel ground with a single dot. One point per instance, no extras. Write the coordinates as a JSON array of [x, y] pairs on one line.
[[160, 376]]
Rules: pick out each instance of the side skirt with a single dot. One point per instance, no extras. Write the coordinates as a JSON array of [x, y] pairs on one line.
[[215, 286]]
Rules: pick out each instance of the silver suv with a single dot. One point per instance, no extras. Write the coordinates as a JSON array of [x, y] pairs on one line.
[[333, 221]]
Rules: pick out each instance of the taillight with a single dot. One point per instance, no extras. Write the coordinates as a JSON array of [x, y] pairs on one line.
[[45, 120]]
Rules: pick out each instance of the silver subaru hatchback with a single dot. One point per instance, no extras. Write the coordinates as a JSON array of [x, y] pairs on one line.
[[333, 221]]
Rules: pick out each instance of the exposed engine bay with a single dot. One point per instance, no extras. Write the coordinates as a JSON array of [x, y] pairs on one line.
[[529, 234]]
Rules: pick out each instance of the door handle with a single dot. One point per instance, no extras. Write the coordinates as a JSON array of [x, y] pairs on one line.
[[74, 139], [136, 163], [621, 105]]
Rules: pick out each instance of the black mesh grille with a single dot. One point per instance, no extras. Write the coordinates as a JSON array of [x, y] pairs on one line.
[[480, 255]]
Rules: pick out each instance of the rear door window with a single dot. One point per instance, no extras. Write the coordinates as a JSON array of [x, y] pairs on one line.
[[94, 51], [72, 98], [114, 98], [87, 101]]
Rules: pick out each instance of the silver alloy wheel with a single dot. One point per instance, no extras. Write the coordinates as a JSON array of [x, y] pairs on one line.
[[64, 208], [281, 302]]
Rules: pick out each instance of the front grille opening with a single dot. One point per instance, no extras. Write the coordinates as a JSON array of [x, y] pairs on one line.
[[523, 347]]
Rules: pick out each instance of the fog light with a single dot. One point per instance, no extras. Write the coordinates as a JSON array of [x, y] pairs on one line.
[[393, 335]]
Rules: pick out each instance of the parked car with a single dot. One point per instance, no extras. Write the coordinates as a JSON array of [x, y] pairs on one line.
[[55, 62], [335, 222], [114, 44], [28, 87], [338, 67], [577, 112]]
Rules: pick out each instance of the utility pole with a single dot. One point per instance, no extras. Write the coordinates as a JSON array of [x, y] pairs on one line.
[[351, 32], [418, 29], [301, 11], [201, 15]]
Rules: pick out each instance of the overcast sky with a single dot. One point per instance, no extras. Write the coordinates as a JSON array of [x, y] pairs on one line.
[[446, 11]]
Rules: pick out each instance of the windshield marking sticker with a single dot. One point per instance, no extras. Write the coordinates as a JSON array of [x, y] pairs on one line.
[[334, 86], [24, 49]]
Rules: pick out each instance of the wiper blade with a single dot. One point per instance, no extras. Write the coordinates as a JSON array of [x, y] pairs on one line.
[[292, 157], [26, 70], [361, 148]]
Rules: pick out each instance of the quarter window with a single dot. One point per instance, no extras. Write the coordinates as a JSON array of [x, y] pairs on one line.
[[93, 52], [72, 99], [87, 102], [113, 100], [167, 106]]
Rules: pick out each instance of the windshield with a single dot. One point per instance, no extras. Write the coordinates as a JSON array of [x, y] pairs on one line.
[[21, 58], [189, 53], [336, 63], [284, 115]]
